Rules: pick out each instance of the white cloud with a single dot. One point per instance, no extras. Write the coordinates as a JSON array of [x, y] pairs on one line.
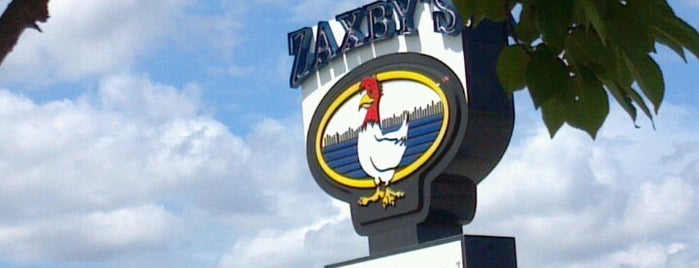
[[123, 148], [646, 255], [92, 37], [96, 235], [660, 205], [575, 202], [96, 173], [326, 241], [138, 168]]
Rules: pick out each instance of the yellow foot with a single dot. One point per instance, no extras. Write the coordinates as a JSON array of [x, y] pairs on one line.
[[387, 197], [390, 197], [365, 201]]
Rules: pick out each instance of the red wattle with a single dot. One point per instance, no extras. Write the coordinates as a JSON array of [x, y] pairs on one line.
[[372, 115]]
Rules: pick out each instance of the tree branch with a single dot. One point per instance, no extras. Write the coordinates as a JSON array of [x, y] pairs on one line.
[[19, 15]]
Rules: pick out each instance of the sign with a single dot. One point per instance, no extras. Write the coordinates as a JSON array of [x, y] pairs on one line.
[[381, 131], [364, 26], [465, 251], [388, 118], [448, 254]]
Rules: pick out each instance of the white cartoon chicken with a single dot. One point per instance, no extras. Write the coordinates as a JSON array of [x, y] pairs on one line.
[[379, 153]]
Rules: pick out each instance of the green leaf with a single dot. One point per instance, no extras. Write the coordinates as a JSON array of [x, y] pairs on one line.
[[669, 41], [633, 94], [585, 47], [627, 69], [672, 31], [602, 6], [636, 41], [660, 9], [605, 43], [593, 17], [619, 95], [553, 19], [495, 10], [512, 66], [590, 106], [650, 79], [526, 30], [579, 18], [683, 33], [553, 112], [471, 11], [622, 72], [526, 33], [545, 76], [467, 9]]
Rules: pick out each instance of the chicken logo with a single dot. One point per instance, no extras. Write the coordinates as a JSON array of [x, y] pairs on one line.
[[379, 152], [380, 135], [375, 137]]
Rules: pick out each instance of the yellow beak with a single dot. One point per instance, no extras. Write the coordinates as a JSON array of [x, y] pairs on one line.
[[366, 102]]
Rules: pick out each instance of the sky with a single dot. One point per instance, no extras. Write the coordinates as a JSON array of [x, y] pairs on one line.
[[163, 133]]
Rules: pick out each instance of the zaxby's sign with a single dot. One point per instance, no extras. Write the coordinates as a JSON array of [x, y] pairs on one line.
[[363, 26], [390, 125]]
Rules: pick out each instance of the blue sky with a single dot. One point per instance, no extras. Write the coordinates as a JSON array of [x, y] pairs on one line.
[[164, 134]]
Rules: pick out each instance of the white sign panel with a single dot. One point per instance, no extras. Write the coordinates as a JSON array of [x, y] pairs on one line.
[[447, 255]]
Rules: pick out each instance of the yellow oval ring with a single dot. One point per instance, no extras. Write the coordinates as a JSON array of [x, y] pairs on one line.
[[366, 183]]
